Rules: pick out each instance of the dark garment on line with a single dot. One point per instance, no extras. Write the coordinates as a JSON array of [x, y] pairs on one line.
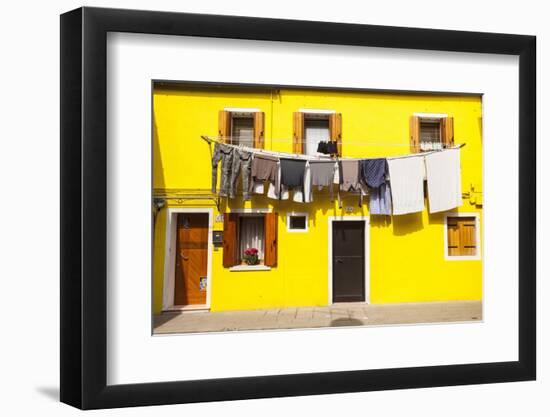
[[292, 174], [373, 172], [224, 154], [242, 165], [327, 148]]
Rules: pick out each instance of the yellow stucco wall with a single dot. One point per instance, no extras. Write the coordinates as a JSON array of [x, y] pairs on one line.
[[407, 262]]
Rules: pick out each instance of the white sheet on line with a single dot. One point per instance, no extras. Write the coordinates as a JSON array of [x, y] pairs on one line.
[[407, 184], [444, 182]]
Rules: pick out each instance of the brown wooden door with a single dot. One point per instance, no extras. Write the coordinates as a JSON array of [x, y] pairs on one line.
[[191, 258]]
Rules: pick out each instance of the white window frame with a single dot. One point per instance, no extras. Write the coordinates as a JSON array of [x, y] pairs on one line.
[[475, 257], [295, 214]]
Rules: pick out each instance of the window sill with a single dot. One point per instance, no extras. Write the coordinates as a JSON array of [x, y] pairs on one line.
[[244, 268]]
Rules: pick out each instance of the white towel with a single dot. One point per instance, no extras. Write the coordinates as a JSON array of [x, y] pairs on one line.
[[407, 184], [297, 194], [444, 183]]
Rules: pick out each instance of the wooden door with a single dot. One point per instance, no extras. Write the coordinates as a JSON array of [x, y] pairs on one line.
[[348, 261], [191, 259]]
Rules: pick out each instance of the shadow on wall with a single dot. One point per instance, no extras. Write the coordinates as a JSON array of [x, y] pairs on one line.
[[407, 223]]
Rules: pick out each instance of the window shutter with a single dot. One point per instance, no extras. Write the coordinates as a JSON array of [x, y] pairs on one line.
[[224, 125], [414, 132], [447, 132], [259, 123], [270, 258], [453, 237], [468, 236], [298, 136], [335, 126], [230, 222]]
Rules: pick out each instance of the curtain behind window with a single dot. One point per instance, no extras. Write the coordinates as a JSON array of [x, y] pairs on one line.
[[430, 135], [243, 131], [251, 234], [315, 131]]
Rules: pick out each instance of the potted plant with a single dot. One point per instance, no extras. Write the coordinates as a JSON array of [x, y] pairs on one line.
[[250, 256]]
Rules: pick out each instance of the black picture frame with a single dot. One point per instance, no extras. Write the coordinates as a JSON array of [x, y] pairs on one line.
[[84, 207]]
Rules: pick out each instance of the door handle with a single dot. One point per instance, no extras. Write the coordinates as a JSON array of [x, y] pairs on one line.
[[185, 258], [340, 261]]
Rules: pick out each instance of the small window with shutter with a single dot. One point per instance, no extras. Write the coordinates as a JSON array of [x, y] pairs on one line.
[[250, 239], [242, 127], [313, 126], [462, 237], [431, 132]]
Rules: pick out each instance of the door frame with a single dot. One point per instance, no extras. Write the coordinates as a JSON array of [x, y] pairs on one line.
[[169, 281], [366, 222]]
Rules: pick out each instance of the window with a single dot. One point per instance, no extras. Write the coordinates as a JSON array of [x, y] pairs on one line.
[[462, 236], [251, 235], [431, 132], [315, 130], [310, 127], [242, 131], [244, 231], [242, 127], [297, 222]]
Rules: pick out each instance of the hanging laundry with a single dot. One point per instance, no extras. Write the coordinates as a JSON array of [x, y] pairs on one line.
[[224, 154], [380, 200], [278, 191], [327, 147], [242, 165], [306, 196], [322, 175], [407, 184], [292, 174], [373, 172], [350, 179], [444, 183], [264, 168]]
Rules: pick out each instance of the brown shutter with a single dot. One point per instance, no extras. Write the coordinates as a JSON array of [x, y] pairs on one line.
[[230, 223], [468, 236], [271, 239], [453, 237], [447, 132], [335, 126], [414, 133], [461, 236], [298, 136], [259, 130], [224, 125]]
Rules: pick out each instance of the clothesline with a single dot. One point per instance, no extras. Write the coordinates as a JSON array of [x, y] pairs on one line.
[[211, 139], [229, 139]]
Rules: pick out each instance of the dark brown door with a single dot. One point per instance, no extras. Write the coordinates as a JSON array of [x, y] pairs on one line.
[[348, 261], [191, 259]]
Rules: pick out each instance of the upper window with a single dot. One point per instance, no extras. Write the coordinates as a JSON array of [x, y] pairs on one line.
[[316, 129], [311, 127], [430, 132], [242, 130], [462, 237], [241, 127]]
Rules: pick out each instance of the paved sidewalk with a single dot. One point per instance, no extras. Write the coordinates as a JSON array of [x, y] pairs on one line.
[[341, 314]]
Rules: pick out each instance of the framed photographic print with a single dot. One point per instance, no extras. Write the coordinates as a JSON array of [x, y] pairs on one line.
[[257, 207]]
